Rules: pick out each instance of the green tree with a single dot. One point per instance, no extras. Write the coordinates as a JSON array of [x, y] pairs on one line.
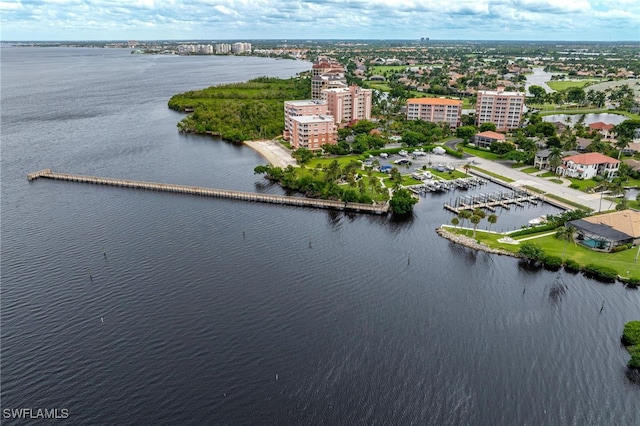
[[555, 159], [402, 202], [539, 94], [621, 144], [396, 178], [623, 204], [302, 155], [475, 220], [484, 127], [565, 233], [465, 132], [464, 215], [492, 219], [455, 221], [532, 252]]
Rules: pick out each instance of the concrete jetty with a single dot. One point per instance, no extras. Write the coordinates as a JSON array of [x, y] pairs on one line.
[[212, 192]]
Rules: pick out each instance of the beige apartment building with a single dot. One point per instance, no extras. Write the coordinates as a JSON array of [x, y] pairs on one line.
[[504, 109], [313, 131], [435, 110], [348, 104]]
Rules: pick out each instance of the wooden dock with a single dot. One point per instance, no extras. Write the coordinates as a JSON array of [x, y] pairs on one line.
[[217, 193]]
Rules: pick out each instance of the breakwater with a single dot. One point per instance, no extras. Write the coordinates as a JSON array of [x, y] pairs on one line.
[[212, 192]]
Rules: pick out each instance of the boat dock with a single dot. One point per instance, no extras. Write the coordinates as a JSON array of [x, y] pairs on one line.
[[216, 193], [504, 199]]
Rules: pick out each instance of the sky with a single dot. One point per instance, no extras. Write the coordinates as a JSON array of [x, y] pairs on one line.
[[563, 20]]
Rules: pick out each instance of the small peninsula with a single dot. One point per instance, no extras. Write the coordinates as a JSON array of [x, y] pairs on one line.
[[241, 111]]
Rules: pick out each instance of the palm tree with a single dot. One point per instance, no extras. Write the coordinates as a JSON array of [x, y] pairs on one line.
[[492, 219], [565, 233], [621, 144], [463, 215], [475, 219], [555, 158]]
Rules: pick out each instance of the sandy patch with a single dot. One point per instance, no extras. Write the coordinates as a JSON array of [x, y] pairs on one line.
[[273, 151]]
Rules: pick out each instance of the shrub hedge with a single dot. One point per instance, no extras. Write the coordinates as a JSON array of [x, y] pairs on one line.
[[631, 340], [602, 272]]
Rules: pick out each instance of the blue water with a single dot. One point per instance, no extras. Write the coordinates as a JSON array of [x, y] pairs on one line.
[[135, 307]]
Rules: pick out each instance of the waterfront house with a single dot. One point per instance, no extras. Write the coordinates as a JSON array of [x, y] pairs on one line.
[[607, 231], [587, 166]]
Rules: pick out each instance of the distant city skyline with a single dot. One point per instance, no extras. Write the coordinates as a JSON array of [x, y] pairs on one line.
[[561, 20]]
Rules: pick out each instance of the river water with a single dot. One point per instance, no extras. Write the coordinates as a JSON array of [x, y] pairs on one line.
[[133, 307]]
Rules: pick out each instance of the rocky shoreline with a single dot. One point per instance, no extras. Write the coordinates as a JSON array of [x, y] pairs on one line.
[[471, 243]]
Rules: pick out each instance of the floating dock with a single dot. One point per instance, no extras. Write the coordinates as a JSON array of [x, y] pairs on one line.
[[491, 201], [216, 193]]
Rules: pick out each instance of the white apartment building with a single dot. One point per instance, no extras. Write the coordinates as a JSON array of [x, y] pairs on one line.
[[241, 47], [504, 109], [223, 48]]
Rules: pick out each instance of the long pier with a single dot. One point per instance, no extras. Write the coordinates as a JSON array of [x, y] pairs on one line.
[[216, 193]]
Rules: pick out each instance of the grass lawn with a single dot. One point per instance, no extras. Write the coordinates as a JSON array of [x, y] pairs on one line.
[[621, 262], [381, 69], [455, 174], [406, 181], [560, 85], [495, 175], [383, 87], [558, 181], [583, 184], [632, 183], [323, 162], [548, 175], [482, 153], [530, 170]]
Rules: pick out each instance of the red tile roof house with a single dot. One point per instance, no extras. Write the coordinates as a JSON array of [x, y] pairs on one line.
[[587, 166], [603, 128], [485, 139]]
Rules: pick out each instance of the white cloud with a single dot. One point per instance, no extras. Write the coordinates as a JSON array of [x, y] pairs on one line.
[[219, 19]]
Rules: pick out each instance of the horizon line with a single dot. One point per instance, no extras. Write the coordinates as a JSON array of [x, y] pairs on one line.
[[308, 40]]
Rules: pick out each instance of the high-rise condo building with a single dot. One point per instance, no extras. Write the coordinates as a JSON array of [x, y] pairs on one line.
[[294, 109], [313, 131], [504, 109], [435, 110], [348, 104]]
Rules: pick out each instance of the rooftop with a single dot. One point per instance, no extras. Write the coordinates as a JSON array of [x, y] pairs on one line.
[[492, 135], [627, 221], [599, 125], [591, 158], [434, 101], [306, 119]]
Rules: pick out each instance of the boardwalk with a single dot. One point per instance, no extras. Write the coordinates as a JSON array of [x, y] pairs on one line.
[[217, 193]]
